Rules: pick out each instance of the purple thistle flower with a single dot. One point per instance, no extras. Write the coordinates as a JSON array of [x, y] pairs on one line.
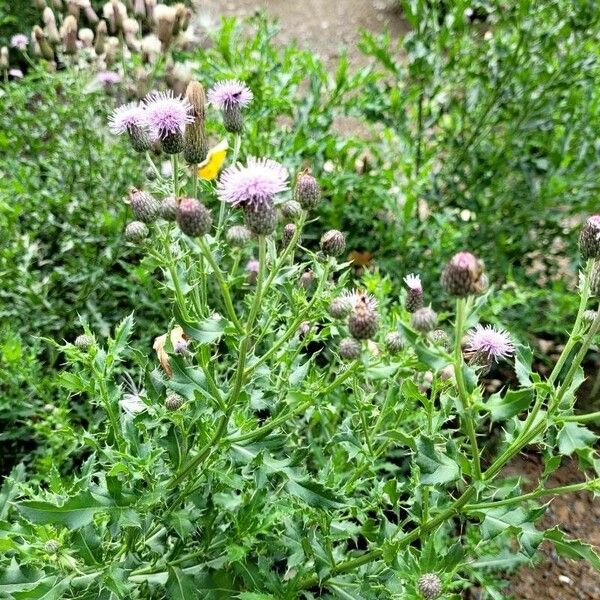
[[355, 296], [254, 184], [490, 342], [230, 93], [127, 117], [108, 78], [15, 73], [413, 282], [166, 114], [19, 41]]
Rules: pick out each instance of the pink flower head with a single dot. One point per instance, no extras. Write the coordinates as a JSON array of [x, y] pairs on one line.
[[356, 296], [253, 184], [594, 221], [108, 78], [19, 41], [491, 342], [166, 114], [15, 73], [413, 282], [252, 266], [126, 117], [465, 260], [230, 93]]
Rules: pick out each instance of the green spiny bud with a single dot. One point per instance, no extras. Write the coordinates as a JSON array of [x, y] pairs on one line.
[[233, 119], [394, 342], [333, 243], [144, 206], [173, 402], [589, 238], [307, 191], [349, 348], [340, 307], [261, 219], [238, 236], [363, 320], [424, 319], [172, 142], [289, 231], [193, 218], [430, 586], [168, 208], [291, 210], [136, 231], [84, 341]]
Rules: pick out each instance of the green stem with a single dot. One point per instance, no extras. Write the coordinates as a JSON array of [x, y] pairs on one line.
[[563, 489], [462, 390], [222, 208], [175, 174], [221, 283], [595, 416]]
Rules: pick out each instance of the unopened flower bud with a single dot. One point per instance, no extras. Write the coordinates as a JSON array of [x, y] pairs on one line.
[[45, 48], [291, 210], [464, 276], [333, 242], [52, 546], [136, 231], [303, 328], [168, 208], [589, 238], [424, 319], [238, 236], [440, 338], [349, 348], [363, 320], [144, 206], [340, 307], [173, 402], [307, 191], [289, 231], [252, 269], [307, 280], [394, 342], [429, 586], [195, 142], [193, 218], [261, 218], [84, 341]]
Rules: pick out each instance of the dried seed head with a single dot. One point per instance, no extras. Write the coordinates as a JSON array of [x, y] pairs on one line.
[[394, 342], [144, 206], [289, 231], [238, 236], [291, 210], [424, 319], [589, 315], [136, 231], [340, 307], [101, 34], [333, 243], [464, 276], [84, 341], [193, 218], [173, 402], [68, 33], [363, 320], [349, 348], [45, 48], [168, 208], [307, 191], [589, 238], [430, 586], [261, 218], [195, 142], [164, 18]]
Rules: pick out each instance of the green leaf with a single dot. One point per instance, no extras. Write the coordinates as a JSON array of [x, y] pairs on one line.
[[575, 549], [9, 489], [255, 596], [313, 493], [206, 331], [523, 360], [510, 404], [16, 578], [574, 437], [180, 586], [76, 512], [51, 588], [299, 374], [436, 466]]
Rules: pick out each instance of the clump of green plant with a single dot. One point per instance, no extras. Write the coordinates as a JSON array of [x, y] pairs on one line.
[[290, 438]]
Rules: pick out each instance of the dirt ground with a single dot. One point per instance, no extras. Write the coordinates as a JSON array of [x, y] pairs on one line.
[[322, 25]]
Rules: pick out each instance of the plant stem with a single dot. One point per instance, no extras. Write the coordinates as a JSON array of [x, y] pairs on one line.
[[221, 282], [222, 208], [595, 416], [175, 174], [462, 390], [563, 489]]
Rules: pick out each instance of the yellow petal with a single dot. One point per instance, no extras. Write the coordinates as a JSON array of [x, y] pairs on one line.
[[210, 167]]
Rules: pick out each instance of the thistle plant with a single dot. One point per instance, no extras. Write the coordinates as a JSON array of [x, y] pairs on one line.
[[285, 438]]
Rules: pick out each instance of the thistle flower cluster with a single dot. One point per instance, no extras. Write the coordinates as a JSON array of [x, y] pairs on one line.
[[464, 276]]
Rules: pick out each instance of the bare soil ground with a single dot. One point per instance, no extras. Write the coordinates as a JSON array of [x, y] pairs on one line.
[[324, 26]]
